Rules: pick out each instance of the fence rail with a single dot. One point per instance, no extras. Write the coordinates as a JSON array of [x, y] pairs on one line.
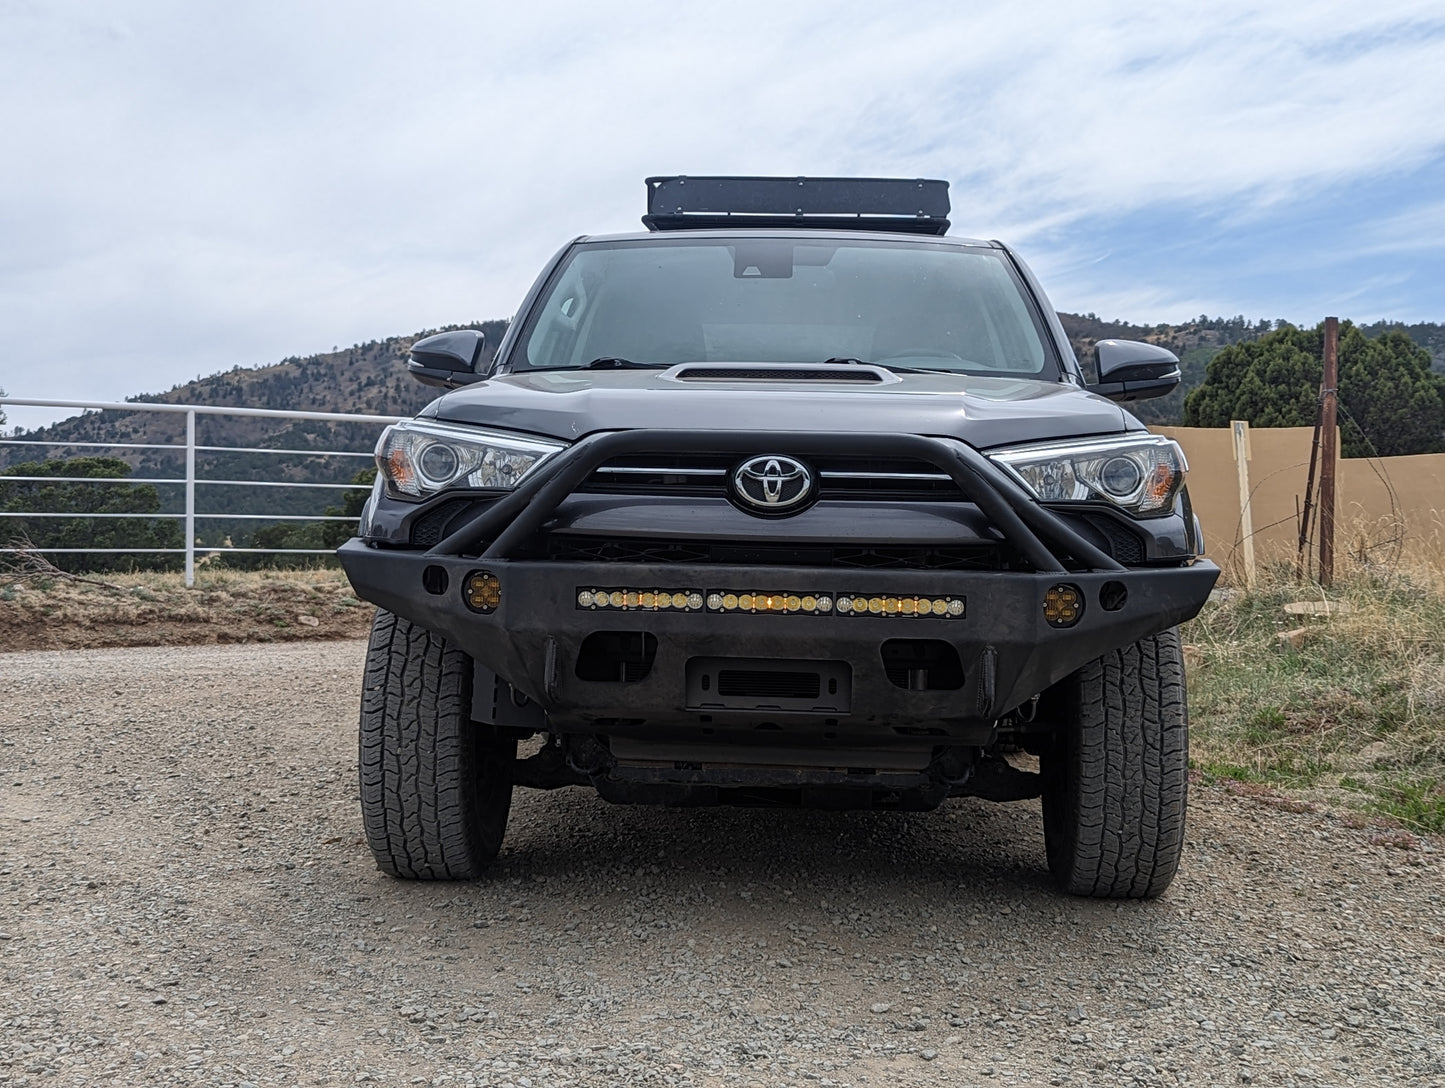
[[189, 448]]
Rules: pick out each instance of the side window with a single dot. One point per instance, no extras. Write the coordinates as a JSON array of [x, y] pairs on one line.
[[554, 339], [1008, 323]]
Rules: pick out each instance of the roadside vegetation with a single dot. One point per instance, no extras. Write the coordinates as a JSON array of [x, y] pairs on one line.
[[56, 610], [1344, 706]]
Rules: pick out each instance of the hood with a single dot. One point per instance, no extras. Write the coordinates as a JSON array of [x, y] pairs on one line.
[[983, 411]]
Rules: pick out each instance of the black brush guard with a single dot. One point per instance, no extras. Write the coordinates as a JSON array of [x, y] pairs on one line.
[[1008, 651]]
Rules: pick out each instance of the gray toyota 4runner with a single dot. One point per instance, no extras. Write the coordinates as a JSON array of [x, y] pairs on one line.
[[789, 500]]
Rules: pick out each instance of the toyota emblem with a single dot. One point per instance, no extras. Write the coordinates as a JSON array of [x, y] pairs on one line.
[[772, 485]]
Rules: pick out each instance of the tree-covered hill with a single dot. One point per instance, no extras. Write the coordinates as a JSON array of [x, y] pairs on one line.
[[372, 378], [369, 378], [1195, 342]]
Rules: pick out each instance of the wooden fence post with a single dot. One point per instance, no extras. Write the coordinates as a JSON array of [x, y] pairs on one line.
[[1240, 432]]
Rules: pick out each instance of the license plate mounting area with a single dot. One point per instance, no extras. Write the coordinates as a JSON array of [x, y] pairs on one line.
[[745, 683]]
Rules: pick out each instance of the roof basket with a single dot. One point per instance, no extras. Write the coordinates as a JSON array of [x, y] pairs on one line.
[[908, 205]]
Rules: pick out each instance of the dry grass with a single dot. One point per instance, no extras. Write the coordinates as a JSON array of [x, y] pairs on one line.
[[56, 612], [1355, 713]]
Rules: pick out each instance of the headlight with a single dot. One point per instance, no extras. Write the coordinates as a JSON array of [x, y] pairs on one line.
[[1141, 473], [419, 457]]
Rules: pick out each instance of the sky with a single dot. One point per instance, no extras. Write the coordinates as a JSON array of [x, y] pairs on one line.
[[189, 186]]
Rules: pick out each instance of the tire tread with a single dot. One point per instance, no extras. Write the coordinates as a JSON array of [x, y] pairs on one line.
[[1117, 788], [434, 792]]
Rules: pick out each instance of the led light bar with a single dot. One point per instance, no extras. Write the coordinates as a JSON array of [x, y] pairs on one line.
[[640, 600], [823, 604], [749, 602], [918, 607], [781, 604]]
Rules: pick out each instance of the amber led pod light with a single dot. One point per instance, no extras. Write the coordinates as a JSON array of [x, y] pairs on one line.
[[1063, 606], [482, 591]]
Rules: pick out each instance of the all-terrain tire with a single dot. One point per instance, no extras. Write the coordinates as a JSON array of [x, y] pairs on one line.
[[1116, 780], [436, 788]]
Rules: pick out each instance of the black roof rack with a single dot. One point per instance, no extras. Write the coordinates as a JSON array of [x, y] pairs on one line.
[[910, 205]]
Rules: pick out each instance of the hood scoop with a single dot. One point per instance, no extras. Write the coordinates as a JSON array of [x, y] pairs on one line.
[[779, 372]]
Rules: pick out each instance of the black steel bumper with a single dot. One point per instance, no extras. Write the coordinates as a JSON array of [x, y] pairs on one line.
[[1007, 650]]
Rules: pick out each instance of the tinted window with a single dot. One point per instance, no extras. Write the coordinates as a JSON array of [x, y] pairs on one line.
[[787, 300]]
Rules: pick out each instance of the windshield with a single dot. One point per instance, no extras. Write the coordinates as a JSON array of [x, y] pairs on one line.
[[786, 300]]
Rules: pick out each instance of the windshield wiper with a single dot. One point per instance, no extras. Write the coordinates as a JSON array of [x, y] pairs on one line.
[[609, 362], [848, 360]]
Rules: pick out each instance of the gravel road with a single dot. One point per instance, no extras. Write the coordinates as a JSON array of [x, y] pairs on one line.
[[185, 899]]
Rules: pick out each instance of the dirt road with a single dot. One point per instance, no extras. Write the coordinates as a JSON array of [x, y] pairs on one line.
[[185, 899]]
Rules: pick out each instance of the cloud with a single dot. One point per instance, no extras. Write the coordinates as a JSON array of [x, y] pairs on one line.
[[1419, 229], [194, 186]]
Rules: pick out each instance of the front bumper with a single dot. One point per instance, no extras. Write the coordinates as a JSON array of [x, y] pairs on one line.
[[1008, 653]]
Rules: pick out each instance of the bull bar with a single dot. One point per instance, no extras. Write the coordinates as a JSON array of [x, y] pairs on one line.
[[1007, 651]]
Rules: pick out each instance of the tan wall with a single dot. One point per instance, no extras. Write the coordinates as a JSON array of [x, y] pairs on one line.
[[1395, 498], [1388, 508]]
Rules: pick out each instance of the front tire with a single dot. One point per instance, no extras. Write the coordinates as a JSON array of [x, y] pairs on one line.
[[436, 788], [1116, 779]]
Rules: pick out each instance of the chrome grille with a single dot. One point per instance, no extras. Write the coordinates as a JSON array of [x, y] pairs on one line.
[[839, 478]]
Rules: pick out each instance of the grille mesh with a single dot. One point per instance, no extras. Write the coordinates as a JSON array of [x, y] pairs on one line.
[[429, 529], [1121, 543]]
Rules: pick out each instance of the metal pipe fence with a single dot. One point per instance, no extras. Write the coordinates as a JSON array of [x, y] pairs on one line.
[[188, 448]]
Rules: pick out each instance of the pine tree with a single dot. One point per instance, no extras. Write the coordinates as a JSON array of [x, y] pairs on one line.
[[80, 497], [1392, 403]]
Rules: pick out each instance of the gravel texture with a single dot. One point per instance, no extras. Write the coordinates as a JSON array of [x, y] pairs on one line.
[[185, 898]]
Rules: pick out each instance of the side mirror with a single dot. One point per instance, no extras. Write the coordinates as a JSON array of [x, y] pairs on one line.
[[448, 359], [1130, 370]]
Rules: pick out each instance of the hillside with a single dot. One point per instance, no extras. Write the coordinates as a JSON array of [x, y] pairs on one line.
[[1195, 342], [369, 378], [372, 378]]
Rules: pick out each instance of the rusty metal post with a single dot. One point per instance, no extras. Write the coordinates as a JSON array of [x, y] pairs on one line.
[[1329, 451]]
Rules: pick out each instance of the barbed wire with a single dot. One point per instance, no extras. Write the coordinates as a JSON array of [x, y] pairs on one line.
[[1385, 552], [1397, 542]]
